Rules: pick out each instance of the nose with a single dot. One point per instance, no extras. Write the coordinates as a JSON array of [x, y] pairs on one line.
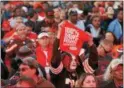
[[92, 84]]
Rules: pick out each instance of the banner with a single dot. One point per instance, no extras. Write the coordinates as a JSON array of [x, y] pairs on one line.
[[72, 38]]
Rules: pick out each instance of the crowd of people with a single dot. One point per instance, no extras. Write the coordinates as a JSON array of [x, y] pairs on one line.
[[32, 53]]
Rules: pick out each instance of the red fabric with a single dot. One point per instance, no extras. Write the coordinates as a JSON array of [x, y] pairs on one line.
[[66, 61], [16, 37], [115, 53], [42, 14], [16, 3], [7, 35], [37, 5], [41, 58], [32, 35], [102, 10], [72, 38], [6, 25]]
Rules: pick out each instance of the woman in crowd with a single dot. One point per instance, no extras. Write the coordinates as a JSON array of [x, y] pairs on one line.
[[66, 67], [87, 80]]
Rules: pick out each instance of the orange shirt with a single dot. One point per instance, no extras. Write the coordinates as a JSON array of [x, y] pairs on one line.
[[115, 53]]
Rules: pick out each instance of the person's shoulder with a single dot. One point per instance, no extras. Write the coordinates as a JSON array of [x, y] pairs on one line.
[[80, 21], [114, 21], [63, 22], [38, 48], [107, 84], [45, 83]]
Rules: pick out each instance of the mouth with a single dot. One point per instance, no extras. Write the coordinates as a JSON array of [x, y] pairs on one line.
[[74, 65]]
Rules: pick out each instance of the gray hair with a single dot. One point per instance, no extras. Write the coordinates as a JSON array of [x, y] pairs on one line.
[[114, 63]]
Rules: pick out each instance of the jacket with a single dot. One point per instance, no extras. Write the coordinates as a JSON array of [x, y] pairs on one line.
[[41, 58], [116, 28], [43, 83]]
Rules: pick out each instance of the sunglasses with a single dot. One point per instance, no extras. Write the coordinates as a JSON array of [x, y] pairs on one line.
[[23, 69], [104, 49]]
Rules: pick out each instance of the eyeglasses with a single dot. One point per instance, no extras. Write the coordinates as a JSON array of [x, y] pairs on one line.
[[104, 49], [23, 69]]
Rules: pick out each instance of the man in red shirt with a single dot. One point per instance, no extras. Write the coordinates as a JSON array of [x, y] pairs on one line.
[[44, 51], [32, 35]]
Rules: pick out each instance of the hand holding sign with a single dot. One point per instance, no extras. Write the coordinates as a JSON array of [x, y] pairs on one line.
[[71, 38]]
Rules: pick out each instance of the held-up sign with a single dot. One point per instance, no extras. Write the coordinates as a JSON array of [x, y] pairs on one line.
[[72, 38]]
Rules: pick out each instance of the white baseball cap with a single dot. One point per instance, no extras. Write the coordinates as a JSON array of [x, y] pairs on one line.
[[42, 35]]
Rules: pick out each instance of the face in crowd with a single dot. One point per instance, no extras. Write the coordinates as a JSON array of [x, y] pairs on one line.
[[28, 29], [20, 30], [57, 12], [120, 15], [117, 72], [44, 40], [89, 82], [26, 70], [104, 47], [19, 12], [96, 22], [73, 64], [74, 18], [62, 15], [110, 36], [70, 62]]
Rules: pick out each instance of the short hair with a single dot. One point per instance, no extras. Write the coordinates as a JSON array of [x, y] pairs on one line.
[[95, 16], [32, 63], [17, 7], [31, 13], [28, 80], [120, 9], [28, 24]]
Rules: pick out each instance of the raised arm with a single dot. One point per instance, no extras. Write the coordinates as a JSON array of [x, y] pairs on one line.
[[56, 56], [91, 63], [56, 64]]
